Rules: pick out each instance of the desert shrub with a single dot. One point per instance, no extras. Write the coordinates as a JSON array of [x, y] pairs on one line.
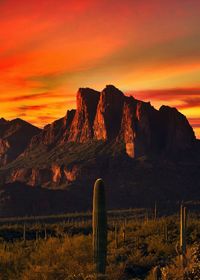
[[67, 254], [60, 259]]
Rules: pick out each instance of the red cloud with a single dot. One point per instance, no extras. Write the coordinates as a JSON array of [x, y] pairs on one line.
[[189, 97], [195, 122]]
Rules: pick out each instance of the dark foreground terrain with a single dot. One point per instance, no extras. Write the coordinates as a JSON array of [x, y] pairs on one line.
[[60, 247], [129, 183]]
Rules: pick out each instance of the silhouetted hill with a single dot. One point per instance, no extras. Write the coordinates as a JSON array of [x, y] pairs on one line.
[[15, 135]]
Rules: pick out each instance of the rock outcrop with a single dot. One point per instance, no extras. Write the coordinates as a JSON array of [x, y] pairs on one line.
[[129, 126], [82, 125], [108, 114], [178, 134]]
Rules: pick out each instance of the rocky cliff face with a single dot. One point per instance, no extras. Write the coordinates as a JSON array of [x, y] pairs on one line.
[[110, 115], [14, 138], [178, 134], [104, 125], [82, 124], [54, 133]]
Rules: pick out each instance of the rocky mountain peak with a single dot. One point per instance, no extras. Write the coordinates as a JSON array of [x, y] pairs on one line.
[[178, 133], [109, 113], [111, 89], [82, 124]]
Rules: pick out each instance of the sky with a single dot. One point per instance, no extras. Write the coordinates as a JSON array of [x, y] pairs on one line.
[[147, 48]]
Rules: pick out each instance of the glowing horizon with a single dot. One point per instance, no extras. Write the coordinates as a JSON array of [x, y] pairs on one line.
[[150, 49]]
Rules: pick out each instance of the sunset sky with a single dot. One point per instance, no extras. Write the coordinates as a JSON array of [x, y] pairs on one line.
[[48, 49]]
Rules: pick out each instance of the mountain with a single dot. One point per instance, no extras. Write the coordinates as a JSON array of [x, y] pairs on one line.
[[110, 115], [15, 135], [142, 153]]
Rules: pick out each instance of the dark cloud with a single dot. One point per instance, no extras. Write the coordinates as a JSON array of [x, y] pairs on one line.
[[190, 103], [189, 97], [25, 97], [32, 107], [33, 96], [166, 94]]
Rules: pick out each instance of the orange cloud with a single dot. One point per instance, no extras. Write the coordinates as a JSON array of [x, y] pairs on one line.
[[166, 94], [49, 49], [195, 122]]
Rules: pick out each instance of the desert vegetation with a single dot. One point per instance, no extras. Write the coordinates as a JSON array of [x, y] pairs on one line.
[[124, 244], [63, 250]]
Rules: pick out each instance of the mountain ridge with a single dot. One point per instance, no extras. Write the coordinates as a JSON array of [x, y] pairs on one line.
[[99, 116], [131, 145]]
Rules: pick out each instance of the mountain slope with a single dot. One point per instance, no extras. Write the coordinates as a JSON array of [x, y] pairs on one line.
[[129, 183], [15, 135]]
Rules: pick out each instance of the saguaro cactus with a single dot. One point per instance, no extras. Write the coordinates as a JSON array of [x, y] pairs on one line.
[[165, 227], [181, 246], [124, 231], [45, 232], [116, 237], [147, 217], [99, 224], [183, 233], [155, 211], [24, 233]]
